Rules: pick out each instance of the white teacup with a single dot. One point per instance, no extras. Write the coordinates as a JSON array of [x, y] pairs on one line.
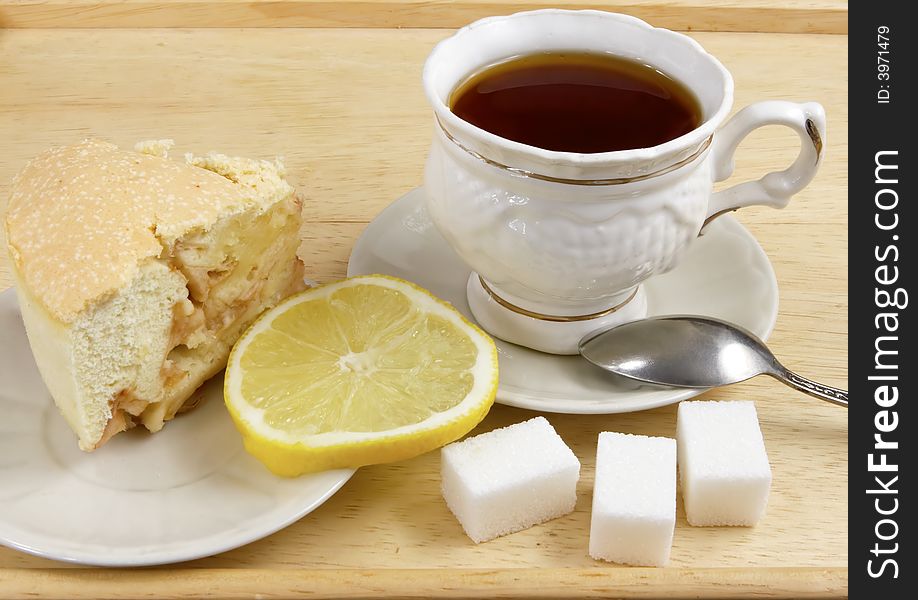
[[560, 242]]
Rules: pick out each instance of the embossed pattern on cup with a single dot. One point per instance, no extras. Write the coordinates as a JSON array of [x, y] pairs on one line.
[[568, 246], [562, 234]]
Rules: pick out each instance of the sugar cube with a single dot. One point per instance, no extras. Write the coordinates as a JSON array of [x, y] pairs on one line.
[[509, 479], [634, 499], [723, 465]]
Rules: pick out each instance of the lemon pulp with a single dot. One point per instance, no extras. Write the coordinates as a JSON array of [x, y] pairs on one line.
[[366, 370]]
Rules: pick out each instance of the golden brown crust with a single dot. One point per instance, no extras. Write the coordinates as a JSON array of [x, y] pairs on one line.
[[141, 272], [82, 218]]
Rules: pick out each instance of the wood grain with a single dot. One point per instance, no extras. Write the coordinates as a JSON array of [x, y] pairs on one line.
[[346, 109], [809, 16], [417, 583]]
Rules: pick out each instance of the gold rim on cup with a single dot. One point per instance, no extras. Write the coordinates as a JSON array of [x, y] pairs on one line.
[[589, 182], [552, 318]]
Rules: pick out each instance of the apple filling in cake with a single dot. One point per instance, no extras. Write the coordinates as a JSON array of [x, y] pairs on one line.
[[136, 274], [232, 273]]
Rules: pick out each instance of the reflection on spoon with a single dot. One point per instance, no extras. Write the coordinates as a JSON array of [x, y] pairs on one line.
[[693, 352]]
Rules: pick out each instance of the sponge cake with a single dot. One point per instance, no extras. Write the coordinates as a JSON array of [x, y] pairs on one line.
[[136, 274]]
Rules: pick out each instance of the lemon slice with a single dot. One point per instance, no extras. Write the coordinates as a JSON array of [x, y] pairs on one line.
[[367, 370]]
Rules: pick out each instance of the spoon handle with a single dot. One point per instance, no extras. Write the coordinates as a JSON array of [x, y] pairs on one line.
[[808, 386]]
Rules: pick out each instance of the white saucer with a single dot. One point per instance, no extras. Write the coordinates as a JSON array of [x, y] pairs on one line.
[[188, 491], [725, 274]]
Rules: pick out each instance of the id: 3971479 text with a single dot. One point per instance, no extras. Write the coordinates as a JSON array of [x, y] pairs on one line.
[[883, 64]]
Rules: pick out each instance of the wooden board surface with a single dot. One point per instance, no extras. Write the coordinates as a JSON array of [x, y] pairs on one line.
[[789, 16], [490, 584], [345, 108]]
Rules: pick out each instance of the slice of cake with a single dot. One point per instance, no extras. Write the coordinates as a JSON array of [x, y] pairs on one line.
[[136, 273]]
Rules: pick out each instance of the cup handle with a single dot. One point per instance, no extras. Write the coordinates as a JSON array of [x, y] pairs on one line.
[[776, 188]]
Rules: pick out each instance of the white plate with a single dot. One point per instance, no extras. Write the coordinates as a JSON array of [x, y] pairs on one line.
[[725, 274], [189, 491]]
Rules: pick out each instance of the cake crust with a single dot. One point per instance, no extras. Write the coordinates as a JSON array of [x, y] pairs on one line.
[[82, 219], [136, 274]]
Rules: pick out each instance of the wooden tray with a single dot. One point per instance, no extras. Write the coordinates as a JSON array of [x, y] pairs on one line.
[[343, 103]]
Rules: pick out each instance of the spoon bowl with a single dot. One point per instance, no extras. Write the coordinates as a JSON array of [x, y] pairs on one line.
[[693, 352]]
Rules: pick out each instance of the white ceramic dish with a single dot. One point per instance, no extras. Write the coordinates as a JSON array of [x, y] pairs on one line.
[[724, 274], [565, 234], [187, 492]]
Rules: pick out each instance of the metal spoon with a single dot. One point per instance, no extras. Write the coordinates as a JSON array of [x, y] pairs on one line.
[[693, 352]]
